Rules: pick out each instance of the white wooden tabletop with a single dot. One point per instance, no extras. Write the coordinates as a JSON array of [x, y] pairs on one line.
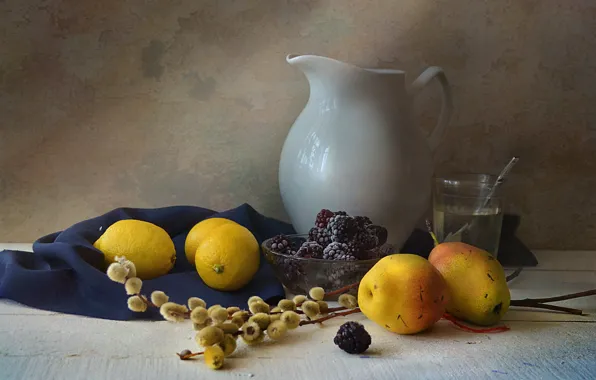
[[36, 344]]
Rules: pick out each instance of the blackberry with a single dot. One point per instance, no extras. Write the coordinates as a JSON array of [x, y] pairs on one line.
[[281, 244], [319, 235], [362, 221], [310, 249], [379, 232], [323, 218], [291, 270], [352, 338], [341, 228], [338, 251], [341, 213], [365, 241]]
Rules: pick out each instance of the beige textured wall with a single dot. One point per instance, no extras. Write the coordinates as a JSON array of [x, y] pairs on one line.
[[151, 103]]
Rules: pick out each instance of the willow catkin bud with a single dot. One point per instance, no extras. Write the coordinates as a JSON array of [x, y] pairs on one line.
[[250, 331], [261, 319], [242, 314], [277, 330], [238, 320], [228, 327], [323, 307], [133, 286], [317, 293], [209, 336], [136, 304], [258, 307], [299, 300], [194, 302], [130, 267], [173, 312], [117, 273], [254, 299], [214, 357], [213, 307], [158, 298], [228, 344], [219, 315], [348, 301], [199, 315], [310, 308], [291, 319], [286, 305], [276, 309]]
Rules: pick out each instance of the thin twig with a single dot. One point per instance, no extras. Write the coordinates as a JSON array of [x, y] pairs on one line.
[[548, 307], [188, 356], [323, 319], [514, 274], [146, 300], [342, 290], [587, 293]]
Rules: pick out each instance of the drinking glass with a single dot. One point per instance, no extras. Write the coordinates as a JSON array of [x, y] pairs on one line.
[[461, 211]]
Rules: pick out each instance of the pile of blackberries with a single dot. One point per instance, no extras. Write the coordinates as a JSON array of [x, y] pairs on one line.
[[335, 236]]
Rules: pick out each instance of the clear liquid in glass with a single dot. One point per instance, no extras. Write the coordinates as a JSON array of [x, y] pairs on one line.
[[484, 225]]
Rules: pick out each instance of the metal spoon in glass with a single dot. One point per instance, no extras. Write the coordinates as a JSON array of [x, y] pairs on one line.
[[500, 179]]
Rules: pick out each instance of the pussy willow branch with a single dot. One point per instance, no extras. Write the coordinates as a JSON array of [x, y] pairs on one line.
[[302, 323], [323, 319]]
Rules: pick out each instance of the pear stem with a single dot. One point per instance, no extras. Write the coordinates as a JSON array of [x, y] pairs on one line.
[[429, 228]]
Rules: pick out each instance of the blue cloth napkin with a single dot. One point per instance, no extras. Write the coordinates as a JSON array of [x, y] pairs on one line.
[[65, 272]]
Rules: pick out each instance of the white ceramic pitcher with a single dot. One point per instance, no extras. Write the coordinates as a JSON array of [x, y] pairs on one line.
[[354, 147]]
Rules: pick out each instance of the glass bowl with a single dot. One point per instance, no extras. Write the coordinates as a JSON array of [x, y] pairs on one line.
[[300, 274]]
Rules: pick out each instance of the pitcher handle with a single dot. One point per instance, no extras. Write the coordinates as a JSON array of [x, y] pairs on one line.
[[447, 107]]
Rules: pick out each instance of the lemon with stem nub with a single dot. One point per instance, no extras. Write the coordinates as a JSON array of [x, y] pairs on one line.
[[228, 258], [198, 233], [147, 245]]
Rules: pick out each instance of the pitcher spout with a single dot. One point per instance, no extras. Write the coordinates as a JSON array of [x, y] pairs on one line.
[[323, 74]]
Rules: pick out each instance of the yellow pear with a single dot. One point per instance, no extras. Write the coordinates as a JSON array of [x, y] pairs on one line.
[[403, 293], [476, 281]]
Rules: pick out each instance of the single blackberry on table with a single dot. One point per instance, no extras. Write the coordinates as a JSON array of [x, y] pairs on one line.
[[338, 251], [310, 249], [352, 338], [341, 228], [323, 218], [281, 244], [319, 235]]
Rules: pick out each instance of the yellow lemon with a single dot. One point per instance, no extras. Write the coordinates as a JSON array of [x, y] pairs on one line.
[[148, 246], [228, 258], [198, 233]]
